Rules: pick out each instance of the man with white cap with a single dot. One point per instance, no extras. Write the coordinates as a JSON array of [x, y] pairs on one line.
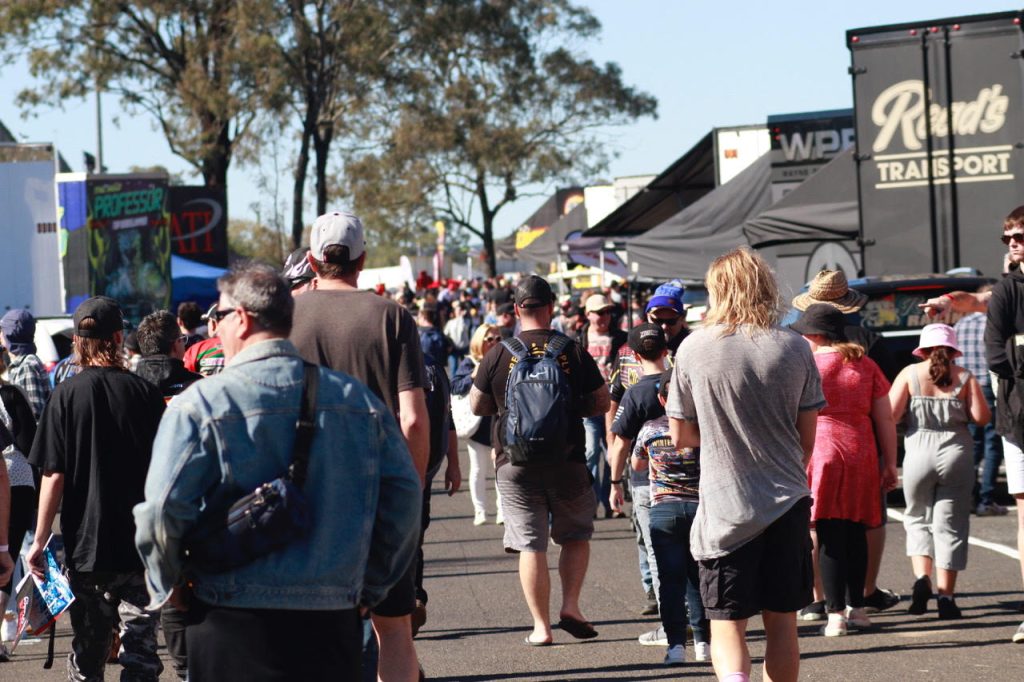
[[375, 340]]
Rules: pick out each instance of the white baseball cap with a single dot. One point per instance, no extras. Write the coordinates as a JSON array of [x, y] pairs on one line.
[[337, 228]]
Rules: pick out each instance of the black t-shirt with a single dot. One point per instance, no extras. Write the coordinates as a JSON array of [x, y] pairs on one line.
[[584, 378], [97, 430], [639, 405]]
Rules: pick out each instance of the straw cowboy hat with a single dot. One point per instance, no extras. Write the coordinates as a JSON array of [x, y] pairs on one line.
[[830, 286]]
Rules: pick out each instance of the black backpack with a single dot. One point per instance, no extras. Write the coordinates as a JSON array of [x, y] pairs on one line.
[[537, 399], [438, 393]]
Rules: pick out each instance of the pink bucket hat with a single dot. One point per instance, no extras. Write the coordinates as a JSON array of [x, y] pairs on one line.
[[937, 335]]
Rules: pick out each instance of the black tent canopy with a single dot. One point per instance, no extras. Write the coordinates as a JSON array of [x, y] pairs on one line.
[[684, 182], [684, 245], [822, 208], [544, 249]]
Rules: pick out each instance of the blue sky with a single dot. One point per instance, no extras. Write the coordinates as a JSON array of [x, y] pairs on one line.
[[708, 63]]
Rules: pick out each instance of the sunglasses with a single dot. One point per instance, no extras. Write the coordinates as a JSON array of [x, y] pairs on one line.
[[219, 315], [1017, 237], [492, 338], [665, 321]]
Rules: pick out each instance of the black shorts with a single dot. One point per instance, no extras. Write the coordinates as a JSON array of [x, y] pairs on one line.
[[401, 598], [772, 572]]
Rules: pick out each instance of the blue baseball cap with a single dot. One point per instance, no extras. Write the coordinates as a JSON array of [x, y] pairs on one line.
[[668, 295]]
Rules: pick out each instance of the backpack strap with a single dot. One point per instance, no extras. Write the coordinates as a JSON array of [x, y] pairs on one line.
[[516, 347], [556, 345]]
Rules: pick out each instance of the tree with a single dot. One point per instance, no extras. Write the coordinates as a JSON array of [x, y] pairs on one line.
[[492, 99], [192, 64], [252, 240], [330, 54]]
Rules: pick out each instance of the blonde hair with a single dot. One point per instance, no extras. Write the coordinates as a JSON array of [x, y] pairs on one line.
[[849, 351], [476, 344], [742, 291]]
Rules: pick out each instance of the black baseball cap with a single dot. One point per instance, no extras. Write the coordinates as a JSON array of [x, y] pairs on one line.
[[104, 312], [534, 292], [824, 319], [505, 308], [647, 339], [297, 270]]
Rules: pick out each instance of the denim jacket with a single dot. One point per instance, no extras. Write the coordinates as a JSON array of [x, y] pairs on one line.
[[237, 428]]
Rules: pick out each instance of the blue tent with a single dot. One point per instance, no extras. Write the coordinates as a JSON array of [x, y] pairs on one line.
[[192, 281]]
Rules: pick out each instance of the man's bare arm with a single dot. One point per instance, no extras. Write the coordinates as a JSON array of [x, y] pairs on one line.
[[957, 302], [481, 403], [414, 420], [595, 403]]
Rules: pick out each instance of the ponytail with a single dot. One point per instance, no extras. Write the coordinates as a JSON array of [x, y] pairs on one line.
[[941, 370], [849, 351]]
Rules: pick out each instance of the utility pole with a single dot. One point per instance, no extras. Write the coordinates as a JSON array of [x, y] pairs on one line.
[[99, 132]]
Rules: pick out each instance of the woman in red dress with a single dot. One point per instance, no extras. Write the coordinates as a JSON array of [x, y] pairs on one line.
[[843, 471]]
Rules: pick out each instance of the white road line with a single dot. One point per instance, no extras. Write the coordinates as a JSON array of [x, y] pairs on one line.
[[1005, 550]]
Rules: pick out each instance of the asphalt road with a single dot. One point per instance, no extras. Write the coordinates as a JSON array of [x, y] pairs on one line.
[[477, 618]]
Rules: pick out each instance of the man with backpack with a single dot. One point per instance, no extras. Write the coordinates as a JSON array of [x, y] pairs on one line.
[[444, 442], [541, 385]]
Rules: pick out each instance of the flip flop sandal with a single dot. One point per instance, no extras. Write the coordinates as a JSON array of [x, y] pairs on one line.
[[578, 628]]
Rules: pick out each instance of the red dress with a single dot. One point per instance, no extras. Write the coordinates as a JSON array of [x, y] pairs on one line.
[[843, 473]]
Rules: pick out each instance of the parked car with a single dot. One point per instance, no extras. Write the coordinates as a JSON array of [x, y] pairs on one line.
[[893, 311]]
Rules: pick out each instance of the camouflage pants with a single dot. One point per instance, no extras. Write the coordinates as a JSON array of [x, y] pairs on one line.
[[103, 600]]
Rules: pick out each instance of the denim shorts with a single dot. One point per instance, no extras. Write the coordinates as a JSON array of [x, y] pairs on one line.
[[772, 572], [542, 502]]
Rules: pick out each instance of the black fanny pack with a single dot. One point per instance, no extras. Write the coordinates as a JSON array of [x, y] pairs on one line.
[[236, 530]]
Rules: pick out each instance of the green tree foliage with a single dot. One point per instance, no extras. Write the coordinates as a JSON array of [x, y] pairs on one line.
[[252, 240], [192, 64], [493, 96]]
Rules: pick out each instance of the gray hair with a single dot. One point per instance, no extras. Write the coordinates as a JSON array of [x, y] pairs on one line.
[[260, 291]]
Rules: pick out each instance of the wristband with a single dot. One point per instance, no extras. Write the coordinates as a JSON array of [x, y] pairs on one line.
[[949, 296], [618, 482], [5, 548]]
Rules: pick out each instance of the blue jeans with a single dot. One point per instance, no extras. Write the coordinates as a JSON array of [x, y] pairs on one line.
[[642, 522], [988, 448], [677, 571], [593, 427]]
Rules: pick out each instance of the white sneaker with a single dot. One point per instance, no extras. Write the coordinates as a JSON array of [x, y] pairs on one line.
[[675, 655], [702, 651], [1018, 637], [9, 627], [857, 618], [654, 638], [836, 626], [500, 519], [480, 518]]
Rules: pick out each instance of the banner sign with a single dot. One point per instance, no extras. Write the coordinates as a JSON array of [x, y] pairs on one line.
[[803, 143], [199, 224], [956, 86], [116, 241]]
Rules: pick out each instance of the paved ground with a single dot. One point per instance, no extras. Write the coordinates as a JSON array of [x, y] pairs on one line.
[[477, 618]]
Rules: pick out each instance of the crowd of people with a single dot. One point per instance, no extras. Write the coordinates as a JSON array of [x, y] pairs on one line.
[[256, 480]]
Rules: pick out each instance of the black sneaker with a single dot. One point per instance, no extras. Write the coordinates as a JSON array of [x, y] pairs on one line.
[[651, 607], [813, 611], [880, 600], [948, 610], [921, 593]]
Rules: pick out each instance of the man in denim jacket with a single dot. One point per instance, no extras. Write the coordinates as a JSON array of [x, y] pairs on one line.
[[293, 613]]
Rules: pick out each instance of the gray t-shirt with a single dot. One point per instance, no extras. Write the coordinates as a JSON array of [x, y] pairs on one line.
[[745, 392]]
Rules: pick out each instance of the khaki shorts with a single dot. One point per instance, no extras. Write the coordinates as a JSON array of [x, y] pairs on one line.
[[543, 502]]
